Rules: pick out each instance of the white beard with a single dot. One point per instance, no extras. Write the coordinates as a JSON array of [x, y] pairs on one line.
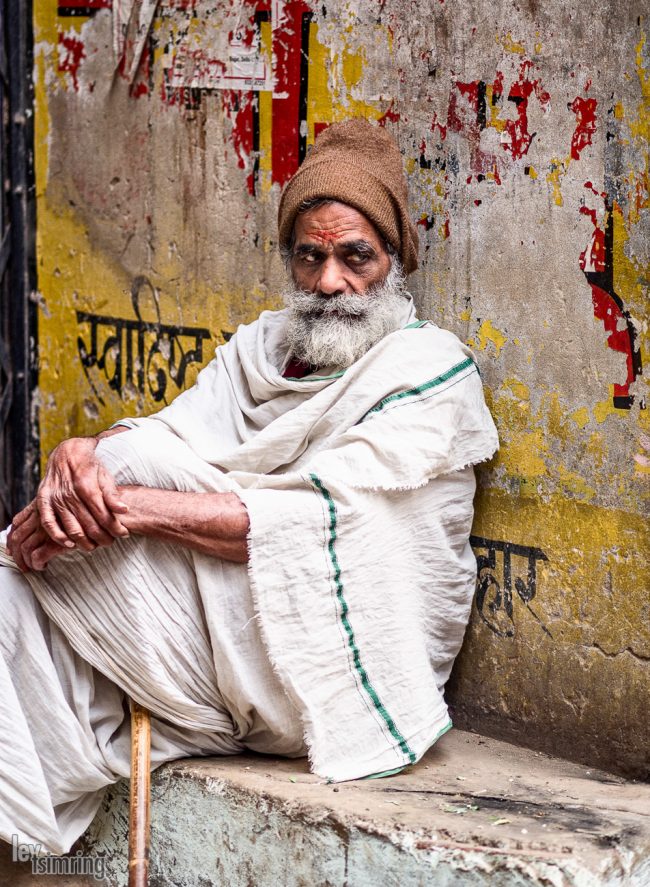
[[335, 331]]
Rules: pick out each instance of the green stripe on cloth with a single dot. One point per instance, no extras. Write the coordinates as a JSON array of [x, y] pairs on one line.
[[397, 770], [356, 656], [420, 389], [416, 324]]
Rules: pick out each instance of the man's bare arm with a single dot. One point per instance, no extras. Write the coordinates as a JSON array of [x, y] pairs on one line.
[[213, 523], [216, 524]]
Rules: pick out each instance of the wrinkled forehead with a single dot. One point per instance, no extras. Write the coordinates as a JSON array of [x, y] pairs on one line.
[[331, 222]]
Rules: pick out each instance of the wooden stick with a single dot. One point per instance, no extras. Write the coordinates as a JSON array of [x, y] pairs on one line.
[[140, 800]]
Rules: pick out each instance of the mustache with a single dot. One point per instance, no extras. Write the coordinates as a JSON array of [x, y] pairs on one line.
[[318, 304]]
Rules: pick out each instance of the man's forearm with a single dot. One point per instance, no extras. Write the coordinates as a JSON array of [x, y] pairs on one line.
[[213, 523]]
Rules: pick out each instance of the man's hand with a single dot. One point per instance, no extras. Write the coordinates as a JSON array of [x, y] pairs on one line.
[[29, 544], [77, 504], [77, 500]]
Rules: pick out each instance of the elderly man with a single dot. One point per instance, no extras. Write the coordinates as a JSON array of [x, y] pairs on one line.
[[278, 560]]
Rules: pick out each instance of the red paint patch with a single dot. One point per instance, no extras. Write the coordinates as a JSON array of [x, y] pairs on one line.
[[590, 187], [442, 129], [596, 262], [607, 310], [585, 111], [467, 115], [83, 5], [389, 115], [239, 108], [71, 53], [287, 49], [463, 107], [593, 257], [520, 93]]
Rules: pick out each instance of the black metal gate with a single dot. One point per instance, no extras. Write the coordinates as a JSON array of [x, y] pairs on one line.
[[18, 421]]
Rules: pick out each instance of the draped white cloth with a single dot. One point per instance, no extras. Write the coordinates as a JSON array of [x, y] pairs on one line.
[[338, 636]]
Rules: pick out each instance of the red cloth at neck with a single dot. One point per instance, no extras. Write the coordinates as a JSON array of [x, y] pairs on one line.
[[296, 369]]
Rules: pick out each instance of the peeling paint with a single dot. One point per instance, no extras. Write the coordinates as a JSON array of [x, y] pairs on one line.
[[71, 55], [585, 111], [487, 333]]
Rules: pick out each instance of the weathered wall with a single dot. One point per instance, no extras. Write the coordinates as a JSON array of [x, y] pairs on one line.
[[160, 157]]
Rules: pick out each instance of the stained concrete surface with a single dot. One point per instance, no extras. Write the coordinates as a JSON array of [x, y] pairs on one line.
[[474, 811]]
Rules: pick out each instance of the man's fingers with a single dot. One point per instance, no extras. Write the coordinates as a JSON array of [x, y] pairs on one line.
[[69, 522], [49, 520], [44, 553], [110, 492], [104, 502], [19, 535], [38, 549], [92, 528], [30, 543], [115, 527], [69, 530], [20, 561], [21, 531], [83, 529], [28, 546], [24, 515], [15, 551], [91, 511]]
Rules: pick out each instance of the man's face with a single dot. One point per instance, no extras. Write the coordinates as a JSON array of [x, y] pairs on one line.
[[337, 250], [348, 292]]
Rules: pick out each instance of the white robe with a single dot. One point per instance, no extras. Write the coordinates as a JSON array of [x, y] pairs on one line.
[[338, 636]]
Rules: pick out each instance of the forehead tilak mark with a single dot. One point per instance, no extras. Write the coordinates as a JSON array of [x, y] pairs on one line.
[[326, 235]]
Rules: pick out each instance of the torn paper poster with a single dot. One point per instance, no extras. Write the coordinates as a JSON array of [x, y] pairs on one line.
[[222, 47]]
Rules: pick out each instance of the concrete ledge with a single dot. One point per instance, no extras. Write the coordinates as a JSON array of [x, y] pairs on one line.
[[474, 812]]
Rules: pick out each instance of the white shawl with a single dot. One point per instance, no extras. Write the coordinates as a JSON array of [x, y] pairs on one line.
[[359, 489]]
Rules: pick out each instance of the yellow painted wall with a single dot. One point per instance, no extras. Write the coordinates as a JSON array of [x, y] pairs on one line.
[[525, 143]]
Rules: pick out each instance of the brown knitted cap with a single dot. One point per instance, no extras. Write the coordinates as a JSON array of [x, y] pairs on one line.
[[358, 164]]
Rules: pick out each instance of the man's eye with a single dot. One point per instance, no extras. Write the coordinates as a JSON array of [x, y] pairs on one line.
[[309, 258], [357, 258]]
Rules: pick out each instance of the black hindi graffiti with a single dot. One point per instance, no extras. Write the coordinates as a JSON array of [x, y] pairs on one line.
[[138, 356], [494, 582]]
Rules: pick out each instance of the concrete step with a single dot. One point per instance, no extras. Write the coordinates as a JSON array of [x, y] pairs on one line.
[[474, 812]]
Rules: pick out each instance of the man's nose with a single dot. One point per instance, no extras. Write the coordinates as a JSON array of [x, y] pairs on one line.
[[332, 280]]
